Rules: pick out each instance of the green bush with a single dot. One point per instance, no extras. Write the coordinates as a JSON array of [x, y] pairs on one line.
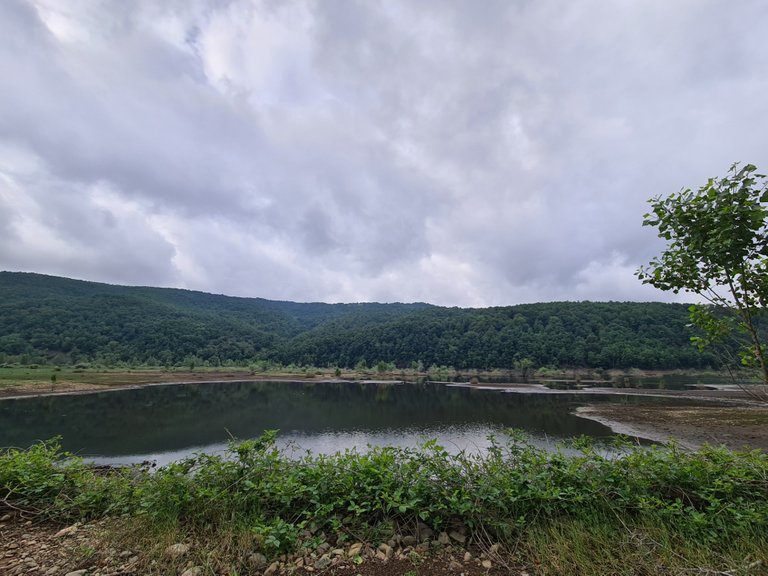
[[712, 495], [57, 485]]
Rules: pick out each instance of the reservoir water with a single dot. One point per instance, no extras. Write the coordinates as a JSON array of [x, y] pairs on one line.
[[167, 422]]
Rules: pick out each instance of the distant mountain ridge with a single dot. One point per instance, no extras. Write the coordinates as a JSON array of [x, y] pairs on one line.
[[54, 319]]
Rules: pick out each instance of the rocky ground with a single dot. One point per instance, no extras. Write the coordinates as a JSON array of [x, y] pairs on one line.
[[46, 549]]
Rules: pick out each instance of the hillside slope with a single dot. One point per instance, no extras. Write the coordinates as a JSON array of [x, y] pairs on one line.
[[51, 319]]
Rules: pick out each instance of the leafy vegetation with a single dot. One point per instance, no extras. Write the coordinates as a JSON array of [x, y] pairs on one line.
[[45, 319], [49, 320], [561, 334], [681, 507], [718, 249]]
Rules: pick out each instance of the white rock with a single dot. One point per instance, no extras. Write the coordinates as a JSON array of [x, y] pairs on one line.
[[66, 531], [177, 550], [386, 549]]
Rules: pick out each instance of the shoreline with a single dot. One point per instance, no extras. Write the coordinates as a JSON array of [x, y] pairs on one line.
[[726, 415], [21, 392], [76, 388], [593, 413], [725, 393]]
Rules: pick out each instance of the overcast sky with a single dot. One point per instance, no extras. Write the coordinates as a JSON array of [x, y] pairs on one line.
[[455, 152]]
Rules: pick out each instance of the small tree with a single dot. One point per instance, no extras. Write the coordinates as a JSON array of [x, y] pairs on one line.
[[524, 365], [717, 248]]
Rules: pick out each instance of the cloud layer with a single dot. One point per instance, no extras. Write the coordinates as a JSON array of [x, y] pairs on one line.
[[448, 152]]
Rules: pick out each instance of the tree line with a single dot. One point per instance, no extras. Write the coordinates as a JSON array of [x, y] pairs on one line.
[[51, 320]]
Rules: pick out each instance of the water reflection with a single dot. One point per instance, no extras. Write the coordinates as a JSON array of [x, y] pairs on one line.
[[168, 422]]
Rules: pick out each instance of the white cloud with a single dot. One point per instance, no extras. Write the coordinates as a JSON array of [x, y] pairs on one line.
[[437, 151]]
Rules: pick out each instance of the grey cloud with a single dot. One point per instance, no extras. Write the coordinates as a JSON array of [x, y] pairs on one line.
[[443, 151]]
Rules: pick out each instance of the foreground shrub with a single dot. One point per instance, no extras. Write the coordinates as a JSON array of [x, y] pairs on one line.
[[710, 496]]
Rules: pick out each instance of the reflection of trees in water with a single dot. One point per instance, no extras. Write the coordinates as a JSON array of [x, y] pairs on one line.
[[161, 418]]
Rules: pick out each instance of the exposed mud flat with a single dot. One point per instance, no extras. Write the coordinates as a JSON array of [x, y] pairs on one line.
[[738, 428]]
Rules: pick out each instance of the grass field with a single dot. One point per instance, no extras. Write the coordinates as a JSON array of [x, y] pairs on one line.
[[47, 376], [54, 378]]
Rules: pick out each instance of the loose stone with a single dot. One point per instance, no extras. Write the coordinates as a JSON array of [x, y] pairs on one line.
[[424, 532], [66, 531], [257, 560], [323, 562], [386, 549], [458, 536], [177, 550]]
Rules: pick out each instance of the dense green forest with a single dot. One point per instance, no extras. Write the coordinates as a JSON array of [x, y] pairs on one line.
[[46, 319]]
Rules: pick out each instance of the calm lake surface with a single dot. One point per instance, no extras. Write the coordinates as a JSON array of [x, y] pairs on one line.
[[166, 423]]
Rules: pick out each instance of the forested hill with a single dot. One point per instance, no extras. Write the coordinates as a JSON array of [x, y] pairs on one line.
[[50, 319]]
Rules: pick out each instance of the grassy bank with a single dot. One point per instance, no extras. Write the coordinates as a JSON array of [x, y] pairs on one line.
[[654, 510], [55, 377]]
